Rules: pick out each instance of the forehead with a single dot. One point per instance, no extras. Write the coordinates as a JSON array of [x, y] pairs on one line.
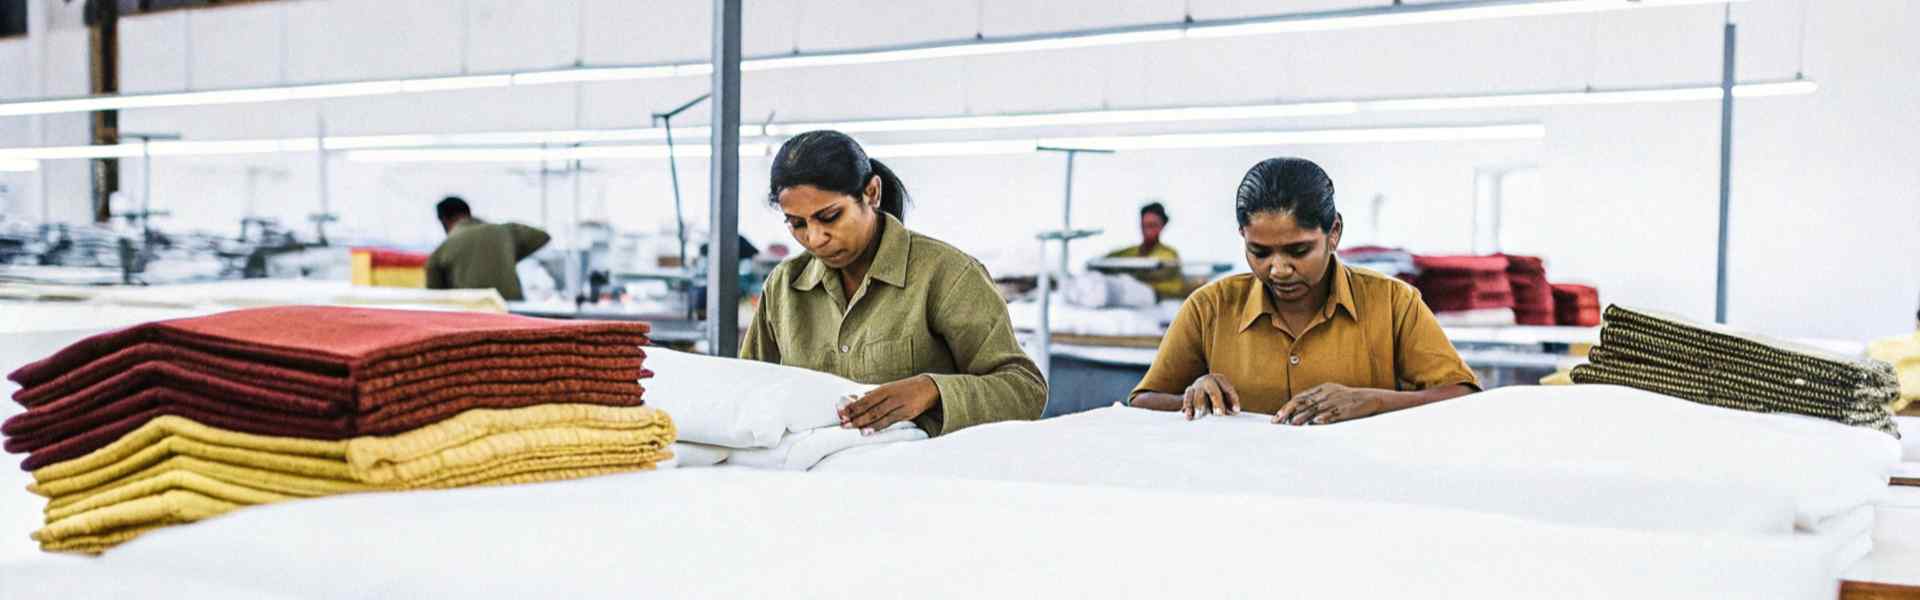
[[1151, 217], [1278, 229], [804, 200]]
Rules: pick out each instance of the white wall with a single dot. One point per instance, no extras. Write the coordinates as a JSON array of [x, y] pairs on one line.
[[1826, 214]]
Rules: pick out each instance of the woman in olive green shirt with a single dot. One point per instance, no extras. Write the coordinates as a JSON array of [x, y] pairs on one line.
[[877, 303]]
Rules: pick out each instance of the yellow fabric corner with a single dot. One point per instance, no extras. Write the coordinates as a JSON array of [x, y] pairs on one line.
[[169, 507], [175, 471], [1903, 352], [1561, 377], [170, 480]]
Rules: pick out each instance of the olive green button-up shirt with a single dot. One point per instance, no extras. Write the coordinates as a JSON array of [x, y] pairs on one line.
[[481, 255], [924, 308]]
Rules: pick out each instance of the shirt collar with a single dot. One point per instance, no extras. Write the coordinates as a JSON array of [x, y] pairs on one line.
[[1341, 297], [889, 262]]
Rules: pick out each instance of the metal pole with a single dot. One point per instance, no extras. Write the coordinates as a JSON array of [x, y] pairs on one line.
[[723, 247], [326, 194], [146, 189], [1045, 350], [1726, 169], [1066, 215]]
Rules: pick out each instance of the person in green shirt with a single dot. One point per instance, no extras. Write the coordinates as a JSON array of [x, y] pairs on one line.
[[1166, 281], [877, 303], [478, 254]]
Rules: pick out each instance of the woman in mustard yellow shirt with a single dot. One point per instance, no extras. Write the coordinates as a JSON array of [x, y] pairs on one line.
[[1302, 337]]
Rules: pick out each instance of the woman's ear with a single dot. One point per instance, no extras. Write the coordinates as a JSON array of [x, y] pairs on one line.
[[872, 194]]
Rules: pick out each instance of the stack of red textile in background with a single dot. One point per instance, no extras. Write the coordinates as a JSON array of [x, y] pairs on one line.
[[1532, 296], [1464, 283], [1576, 305]]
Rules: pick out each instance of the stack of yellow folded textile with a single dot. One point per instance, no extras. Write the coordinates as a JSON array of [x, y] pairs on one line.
[[114, 459], [1903, 352]]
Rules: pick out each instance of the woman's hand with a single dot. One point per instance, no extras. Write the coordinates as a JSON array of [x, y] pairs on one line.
[[1211, 392], [891, 403], [1331, 403]]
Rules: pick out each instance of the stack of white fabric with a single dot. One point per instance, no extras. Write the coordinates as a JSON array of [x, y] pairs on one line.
[[1586, 455], [755, 414], [1100, 290], [1080, 320]]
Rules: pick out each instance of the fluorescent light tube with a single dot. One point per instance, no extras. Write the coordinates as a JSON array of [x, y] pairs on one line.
[[1332, 20]]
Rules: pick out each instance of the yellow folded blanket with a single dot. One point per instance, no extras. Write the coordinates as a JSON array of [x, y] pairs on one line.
[[173, 470], [1903, 352]]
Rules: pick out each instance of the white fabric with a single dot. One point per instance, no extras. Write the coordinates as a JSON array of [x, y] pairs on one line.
[[1909, 438], [719, 533], [1598, 455], [801, 450], [1099, 290], [1480, 317], [691, 455], [1076, 320], [741, 403]]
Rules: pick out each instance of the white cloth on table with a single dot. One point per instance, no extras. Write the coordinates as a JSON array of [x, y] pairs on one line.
[[1590, 455], [741, 403], [1100, 290], [1069, 319], [687, 455], [801, 450], [1909, 438], [742, 533], [1481, 317]]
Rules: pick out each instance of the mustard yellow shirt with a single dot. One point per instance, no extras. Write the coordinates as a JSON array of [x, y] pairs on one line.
[[1374, 332], [1166, 283], [924, 308]]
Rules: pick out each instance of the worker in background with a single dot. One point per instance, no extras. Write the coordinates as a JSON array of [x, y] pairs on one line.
[[1165, 281], [478, 254], [1302, 337], [877, 303]]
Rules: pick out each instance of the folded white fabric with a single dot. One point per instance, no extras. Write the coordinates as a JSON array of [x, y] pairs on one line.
[[801, 450], [1482, 317], [1100, 290], [1591, 455], [687, 455], [1070, 319], [741, 403]]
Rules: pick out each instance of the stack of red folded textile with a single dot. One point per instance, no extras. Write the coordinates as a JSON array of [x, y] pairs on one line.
[[1464, 283], [1576, 305], [1532, 296], [316, 372]]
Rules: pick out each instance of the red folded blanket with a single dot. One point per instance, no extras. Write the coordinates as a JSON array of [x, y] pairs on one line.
[[1576, 305], [327, 340], [1532, 297]]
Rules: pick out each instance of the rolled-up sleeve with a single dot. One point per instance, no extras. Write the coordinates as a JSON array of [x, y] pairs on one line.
[[760, 343], [1182, 357], [996, 380], [1424, 357]]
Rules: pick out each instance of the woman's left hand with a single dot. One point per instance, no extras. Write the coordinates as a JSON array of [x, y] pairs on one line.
[[1331, 403], [891, 403]]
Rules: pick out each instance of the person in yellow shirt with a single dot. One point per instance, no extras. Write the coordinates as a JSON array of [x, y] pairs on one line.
[[1302, 337], [1165, 281]]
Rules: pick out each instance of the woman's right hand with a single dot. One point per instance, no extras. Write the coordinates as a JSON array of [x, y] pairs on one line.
[[1210, 393]]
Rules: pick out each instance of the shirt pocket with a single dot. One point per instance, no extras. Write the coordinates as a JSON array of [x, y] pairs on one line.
[[884, 361]]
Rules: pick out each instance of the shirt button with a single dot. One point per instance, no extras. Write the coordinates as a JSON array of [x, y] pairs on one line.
[[845, 349], [1294, 360]]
